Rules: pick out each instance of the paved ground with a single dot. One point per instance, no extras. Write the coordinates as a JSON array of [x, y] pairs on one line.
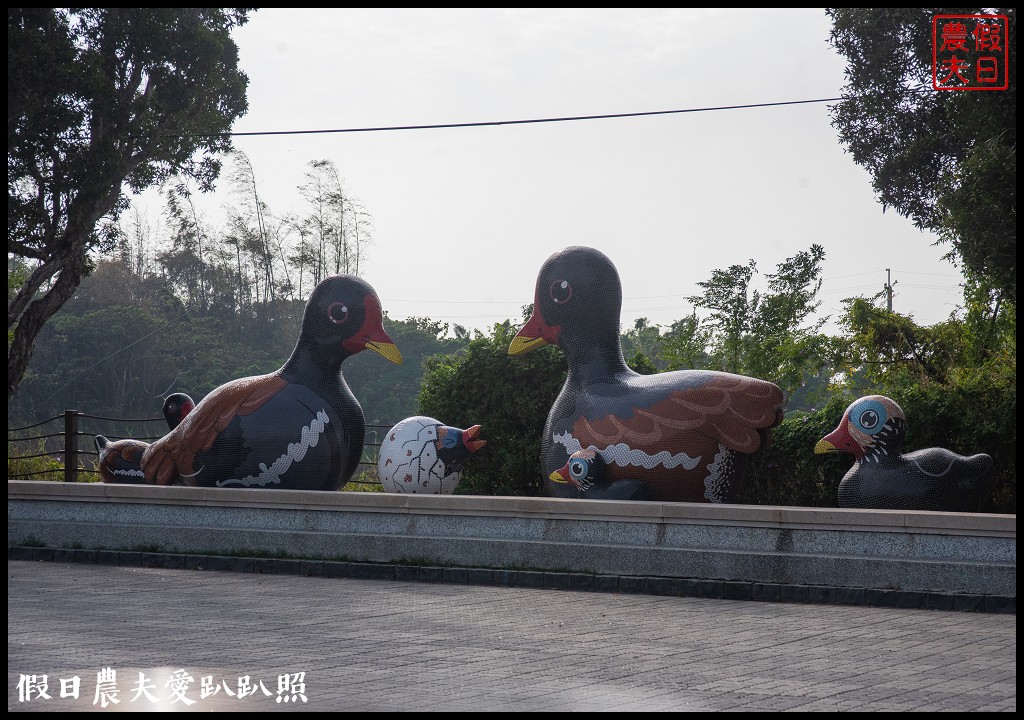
[[383, 645]]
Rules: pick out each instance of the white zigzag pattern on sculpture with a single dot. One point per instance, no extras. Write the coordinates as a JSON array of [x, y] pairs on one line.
[[296, 451], [623, 456]]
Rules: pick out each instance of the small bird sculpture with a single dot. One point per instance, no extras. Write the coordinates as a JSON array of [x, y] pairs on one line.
[[682, 436], [423, 455], [176, 407], [586, 471], [872, 430], [120, 461], [298, 428]]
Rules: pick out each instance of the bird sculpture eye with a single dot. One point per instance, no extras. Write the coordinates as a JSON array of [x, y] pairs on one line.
[[870, 419], [560, 291], [337, 312], [578, 469]]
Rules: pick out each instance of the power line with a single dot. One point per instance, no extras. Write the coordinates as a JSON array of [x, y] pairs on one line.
[[949, 288], [491, 123], [680, 296], [157, 329], [914, 272], [840, 277]]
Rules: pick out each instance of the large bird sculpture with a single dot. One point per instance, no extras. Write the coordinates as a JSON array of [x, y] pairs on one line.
[[678, 436], [120, 461], [298, 428], [872, 430]]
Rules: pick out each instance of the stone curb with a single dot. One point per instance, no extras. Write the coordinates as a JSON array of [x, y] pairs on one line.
[[674, 587]]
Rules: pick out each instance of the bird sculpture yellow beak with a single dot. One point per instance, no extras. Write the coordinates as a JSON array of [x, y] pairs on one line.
[[534, 334], [824, 446], [387, 350]]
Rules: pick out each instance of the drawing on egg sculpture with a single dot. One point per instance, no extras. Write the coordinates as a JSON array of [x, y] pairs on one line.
[[423, 455]]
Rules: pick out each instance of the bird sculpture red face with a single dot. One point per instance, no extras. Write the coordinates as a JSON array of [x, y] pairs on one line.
[[871, 423], [535, 333], [371, 334], [176, 407], [577, 299]]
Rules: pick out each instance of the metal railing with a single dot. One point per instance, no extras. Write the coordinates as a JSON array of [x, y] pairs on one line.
[[63, 443]]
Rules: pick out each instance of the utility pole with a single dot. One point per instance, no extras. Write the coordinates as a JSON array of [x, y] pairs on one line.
[[888, 290]]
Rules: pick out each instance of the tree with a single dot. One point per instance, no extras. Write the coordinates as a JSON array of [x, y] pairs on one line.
[[788, 345], [112, 349], [727, 296], [248, 229], [185, 262], [685, 344], [323, 224], [643, 341], [101, 100], [947, 160], [639, 362], [768, 335], [335, 231], [888, 348]]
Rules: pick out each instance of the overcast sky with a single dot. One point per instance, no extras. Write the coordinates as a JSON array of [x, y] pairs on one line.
[[464, 217]]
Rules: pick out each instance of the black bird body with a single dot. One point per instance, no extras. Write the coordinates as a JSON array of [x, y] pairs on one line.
[[679, 436], [872, 430], [299, 428]]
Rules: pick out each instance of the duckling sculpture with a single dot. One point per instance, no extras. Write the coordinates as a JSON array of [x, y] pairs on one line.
[[872, 430], [120, 461], [586, 471]]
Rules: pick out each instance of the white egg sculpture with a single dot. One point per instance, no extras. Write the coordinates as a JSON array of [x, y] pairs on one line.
[[423, 455]]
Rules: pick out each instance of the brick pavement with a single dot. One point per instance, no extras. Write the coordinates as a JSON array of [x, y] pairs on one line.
[[388, 645]]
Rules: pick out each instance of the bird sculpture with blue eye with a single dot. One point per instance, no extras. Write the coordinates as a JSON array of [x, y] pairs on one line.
[[423, 455], [120, 461], [681, 436], [586, 471], [297, 428], [872, 430]]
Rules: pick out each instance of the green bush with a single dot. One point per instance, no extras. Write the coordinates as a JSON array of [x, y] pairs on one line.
[[509, 397], [47, 466], [365, 481], [787, 472]]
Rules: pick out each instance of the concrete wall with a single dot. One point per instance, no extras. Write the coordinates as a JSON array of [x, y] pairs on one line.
[[901, 550]]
